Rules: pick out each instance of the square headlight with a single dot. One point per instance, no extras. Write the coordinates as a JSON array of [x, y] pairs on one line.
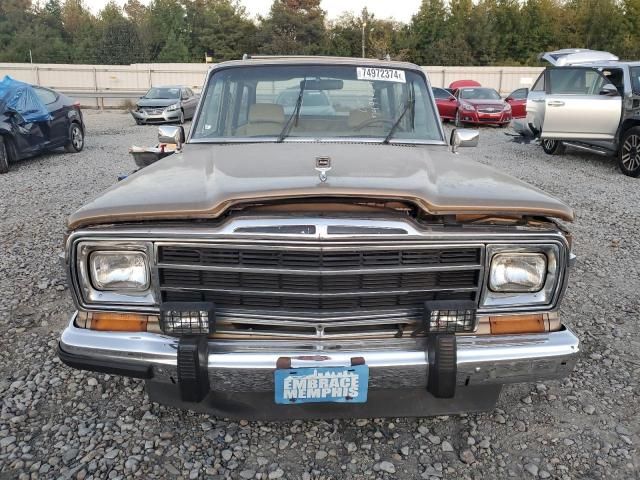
[[523, 276], [517, 272], [121, 271]]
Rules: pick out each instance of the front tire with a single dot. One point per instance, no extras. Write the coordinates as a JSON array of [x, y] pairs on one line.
[[553, 147], [4, 156], [76, 139], [629, 155]]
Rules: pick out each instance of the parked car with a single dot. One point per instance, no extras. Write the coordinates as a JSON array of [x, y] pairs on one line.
[[518, 101], [447, 103], [166, 104], [481, 105], [34, 120], [281, 266], [313, 102], [587, 100]]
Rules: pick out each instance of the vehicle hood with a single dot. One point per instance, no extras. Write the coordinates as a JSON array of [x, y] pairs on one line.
[[157, 102], [463, 83], [205, 180]]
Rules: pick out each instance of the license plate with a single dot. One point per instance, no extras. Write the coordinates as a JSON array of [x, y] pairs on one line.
[[321, 385]]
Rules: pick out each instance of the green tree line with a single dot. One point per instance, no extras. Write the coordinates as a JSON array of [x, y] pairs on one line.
[[454, 32]]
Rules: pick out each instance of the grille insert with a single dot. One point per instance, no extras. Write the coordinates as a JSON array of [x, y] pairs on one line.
[[317, 284], [314, 283]]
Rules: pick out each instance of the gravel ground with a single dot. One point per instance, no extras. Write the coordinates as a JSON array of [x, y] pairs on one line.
[[57, 422]]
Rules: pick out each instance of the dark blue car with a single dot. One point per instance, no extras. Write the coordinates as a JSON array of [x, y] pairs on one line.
[[36, 119]]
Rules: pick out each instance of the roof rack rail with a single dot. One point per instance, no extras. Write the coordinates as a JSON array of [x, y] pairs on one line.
[[247, 56]]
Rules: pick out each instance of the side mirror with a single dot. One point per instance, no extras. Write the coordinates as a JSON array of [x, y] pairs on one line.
[[464, 137], [609, 90], [452, 99], [171, 134], [508, 99]]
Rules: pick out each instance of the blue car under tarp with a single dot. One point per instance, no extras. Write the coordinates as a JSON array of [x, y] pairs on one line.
[[20, 97]]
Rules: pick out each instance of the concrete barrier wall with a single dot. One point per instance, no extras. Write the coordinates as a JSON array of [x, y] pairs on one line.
[[139, 77]]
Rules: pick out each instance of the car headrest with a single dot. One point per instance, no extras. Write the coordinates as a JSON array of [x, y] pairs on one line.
[[266, 112]]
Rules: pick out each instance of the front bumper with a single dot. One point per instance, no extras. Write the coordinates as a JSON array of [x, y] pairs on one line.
[[248, 366], [162, 117], [485, 118]]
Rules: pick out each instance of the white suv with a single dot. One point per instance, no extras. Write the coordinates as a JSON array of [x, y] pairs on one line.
[[587, 100]]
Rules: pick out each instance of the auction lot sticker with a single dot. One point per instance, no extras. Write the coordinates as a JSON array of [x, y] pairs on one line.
[[381, 74]]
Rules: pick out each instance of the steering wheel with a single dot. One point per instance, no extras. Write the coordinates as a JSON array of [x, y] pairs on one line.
[[373, 121]]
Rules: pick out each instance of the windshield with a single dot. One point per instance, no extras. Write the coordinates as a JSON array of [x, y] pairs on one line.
[[479, 94], [256, 104], [162, 93]]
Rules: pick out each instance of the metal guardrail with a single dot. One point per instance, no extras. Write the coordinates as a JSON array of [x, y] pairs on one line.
[[100, 95]]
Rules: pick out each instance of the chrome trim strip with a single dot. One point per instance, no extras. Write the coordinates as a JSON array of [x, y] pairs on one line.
[[249, 316], [206, 232], [293, 293], [326, 272]]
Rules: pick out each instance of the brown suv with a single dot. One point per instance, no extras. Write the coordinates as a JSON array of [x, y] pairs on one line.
[[291, 261]]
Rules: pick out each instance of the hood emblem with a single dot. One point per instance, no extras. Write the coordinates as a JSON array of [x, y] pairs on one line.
[[323, 165]]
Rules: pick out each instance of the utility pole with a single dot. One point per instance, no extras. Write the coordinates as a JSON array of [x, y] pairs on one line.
[[364, 25]]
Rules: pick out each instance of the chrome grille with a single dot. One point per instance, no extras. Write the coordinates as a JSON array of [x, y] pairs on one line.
[[318, 285], [489, 109]]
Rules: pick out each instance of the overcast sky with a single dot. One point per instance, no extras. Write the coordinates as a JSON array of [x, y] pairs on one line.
[[400, 10]]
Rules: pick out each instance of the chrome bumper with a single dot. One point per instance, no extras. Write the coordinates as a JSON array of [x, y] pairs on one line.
[[247, 366]]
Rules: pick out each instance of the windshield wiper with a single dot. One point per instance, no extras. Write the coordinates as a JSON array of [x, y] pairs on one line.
[[294, 115], [409, 105]]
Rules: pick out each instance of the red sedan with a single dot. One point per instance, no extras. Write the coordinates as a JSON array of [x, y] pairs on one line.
[[481, 105], [446, 102], [518, 101]]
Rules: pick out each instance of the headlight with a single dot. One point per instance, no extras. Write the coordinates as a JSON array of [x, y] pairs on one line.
[[507, 107], [112, 274], [525, 276], [126, 271], [517, 272], [468, 107], [171, 108]]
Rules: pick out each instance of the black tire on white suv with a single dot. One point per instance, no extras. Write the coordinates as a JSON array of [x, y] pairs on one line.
[[629, 155], [553, 147]]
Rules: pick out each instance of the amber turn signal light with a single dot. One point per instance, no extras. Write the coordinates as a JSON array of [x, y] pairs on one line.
[[533, 323], [118, 322]]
